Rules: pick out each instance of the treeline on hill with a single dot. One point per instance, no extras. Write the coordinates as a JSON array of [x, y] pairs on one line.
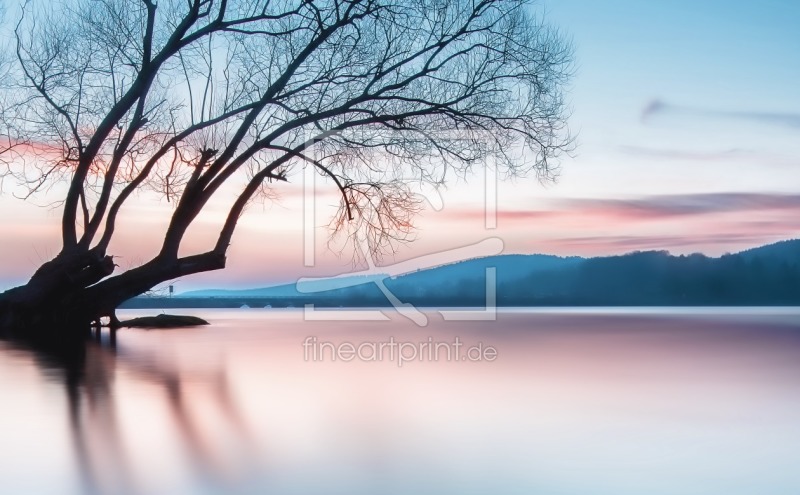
[[769, 275], [642, 278]]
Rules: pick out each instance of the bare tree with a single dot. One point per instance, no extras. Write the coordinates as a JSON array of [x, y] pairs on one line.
[[184, 96]]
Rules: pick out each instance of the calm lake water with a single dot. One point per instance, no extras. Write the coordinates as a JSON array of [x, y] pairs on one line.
[[582, 402]]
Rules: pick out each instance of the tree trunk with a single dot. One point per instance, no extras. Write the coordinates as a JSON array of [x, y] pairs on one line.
[[68, 293]]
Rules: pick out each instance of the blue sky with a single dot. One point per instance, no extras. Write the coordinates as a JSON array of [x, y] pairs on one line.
[[691, 104], [709, 53], [701, 59]]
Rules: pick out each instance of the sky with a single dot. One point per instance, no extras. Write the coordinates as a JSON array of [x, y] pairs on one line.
[[687, 123]]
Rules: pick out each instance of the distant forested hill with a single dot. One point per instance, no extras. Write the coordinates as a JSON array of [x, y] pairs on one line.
[[767, 275]]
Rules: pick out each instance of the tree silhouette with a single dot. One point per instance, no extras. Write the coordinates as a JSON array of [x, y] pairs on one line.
[[114, 96]]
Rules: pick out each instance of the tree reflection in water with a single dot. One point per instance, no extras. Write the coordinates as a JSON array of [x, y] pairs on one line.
[[90, 376]]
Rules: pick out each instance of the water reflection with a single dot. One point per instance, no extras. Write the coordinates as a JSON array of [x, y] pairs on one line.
[[88, 375], [585, 402]]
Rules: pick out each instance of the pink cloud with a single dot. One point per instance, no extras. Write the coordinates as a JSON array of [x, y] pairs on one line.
[[711, 223], [646, 209]]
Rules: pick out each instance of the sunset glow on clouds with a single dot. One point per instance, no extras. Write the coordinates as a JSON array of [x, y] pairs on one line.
[[711, 223], [688, 139]]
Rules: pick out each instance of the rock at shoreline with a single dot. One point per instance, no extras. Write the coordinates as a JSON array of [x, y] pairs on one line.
[[163, 321]]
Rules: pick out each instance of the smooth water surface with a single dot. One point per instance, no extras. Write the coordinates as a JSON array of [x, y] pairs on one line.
[[616, 402]]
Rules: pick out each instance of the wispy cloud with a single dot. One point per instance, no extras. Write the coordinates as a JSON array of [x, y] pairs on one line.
[[656, 108], [647, 208], [686, 204], [712, 223]]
